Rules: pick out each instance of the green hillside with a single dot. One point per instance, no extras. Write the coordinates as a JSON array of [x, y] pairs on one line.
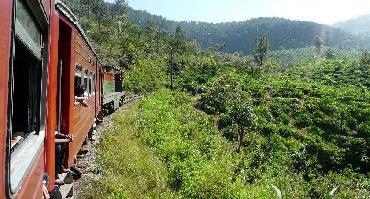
[[240, 36], [228, 127]]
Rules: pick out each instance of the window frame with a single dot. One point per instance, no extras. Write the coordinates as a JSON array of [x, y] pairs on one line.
[[94, 83], [78, 73], [90, 84], [22, 33], [86, 82]]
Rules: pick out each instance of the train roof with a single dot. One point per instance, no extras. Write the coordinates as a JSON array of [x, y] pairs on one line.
[[114, 69], [63, 8]]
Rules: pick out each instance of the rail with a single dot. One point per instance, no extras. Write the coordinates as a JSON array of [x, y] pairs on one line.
[[132, 98]]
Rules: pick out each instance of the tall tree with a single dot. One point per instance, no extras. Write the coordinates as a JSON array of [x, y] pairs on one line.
[[100, 10], [365, 58], [179, 40], [260, 50], [318, 45], [85, 6], [120, 9], [120, 14]]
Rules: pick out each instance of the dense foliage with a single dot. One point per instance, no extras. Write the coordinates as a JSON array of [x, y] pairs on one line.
[[314, 121], [200, 162], [292, 57]]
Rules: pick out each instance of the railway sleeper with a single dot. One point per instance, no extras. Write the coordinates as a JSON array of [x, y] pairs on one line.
[[66, 190]]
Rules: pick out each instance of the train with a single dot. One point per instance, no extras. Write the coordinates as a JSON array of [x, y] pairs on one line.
[[54, 90]]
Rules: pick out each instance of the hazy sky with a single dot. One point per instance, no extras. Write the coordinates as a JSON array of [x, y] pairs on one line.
[[322, 11]]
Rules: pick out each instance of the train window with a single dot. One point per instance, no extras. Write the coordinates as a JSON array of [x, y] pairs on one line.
[[94, 83], [78, 76], [78, 83], [85, 83], [90, 84], [27, 101], [26, 73], [27, 29]]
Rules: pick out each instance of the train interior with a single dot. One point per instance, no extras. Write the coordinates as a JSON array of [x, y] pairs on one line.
[[26, 92], [26, 75], [118, 82]]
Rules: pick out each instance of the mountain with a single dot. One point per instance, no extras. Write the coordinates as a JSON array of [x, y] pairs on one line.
[[240, 36], [236, 36], [358, 26]]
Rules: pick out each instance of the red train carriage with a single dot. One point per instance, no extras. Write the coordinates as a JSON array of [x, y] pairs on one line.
[[44, 57], [113, 95], [79, 66]]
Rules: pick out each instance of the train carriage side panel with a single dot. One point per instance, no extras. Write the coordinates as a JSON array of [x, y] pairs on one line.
[[82, 70], [5, 23], [32, 186], [98, 83], [83, 117]]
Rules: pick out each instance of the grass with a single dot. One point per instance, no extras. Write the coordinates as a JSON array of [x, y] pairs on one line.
[[129, 168]]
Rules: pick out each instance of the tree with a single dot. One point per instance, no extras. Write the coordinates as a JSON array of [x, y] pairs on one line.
[[218, 94], [120, 9], [177, 48], [178, 43], [318, 45], [85, 6], [100, 10], [260, 51], [120, 13], [365, 58], [220, 47], [242, 114], [329, 54]]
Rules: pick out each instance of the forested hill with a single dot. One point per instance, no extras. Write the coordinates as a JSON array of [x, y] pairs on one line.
[[240, 36]]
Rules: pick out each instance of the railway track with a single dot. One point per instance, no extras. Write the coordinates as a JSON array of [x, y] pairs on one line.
[[132, 98]]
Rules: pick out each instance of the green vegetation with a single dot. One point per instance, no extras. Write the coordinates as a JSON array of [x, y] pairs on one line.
[[127, 166], [292, 57], [196, 161], [225, 131], [200, 162]]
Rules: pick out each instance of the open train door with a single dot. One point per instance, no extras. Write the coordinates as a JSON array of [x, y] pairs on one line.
[[65, 89]]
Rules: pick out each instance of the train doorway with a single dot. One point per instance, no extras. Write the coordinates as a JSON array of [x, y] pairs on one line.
[[63, 96], [64, 79]]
